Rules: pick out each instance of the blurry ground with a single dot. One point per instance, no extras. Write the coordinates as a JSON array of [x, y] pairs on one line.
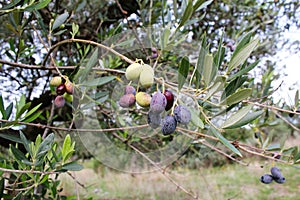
[[233, 181]]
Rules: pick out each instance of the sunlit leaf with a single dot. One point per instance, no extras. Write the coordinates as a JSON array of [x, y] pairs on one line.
[[72, 166], [83, 73], [243, 71], [244, 41], [98, 81], [10, 5], [2, 109], [202, 4], [11, 137], [33, 110], [183, 71], [187, 13], [200, 61], [273, 147], [242, 55], [208, 70], [237, 116], [25, 143], [60, 19], [196, 119], [246, 119], [217, 86], [238, 96], [297, 99], [225, 141], [45, 146]]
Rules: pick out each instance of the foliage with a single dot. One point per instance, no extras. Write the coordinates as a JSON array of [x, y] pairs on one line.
[[195, 57]]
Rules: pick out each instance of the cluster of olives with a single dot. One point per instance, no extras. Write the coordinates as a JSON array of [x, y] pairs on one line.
[[142, 72], [64, 90], [275, 175], [157, 103]]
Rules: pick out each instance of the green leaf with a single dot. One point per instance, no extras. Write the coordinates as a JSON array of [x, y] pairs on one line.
[[32, 110], [183, 71], [37, 6], [72, 166], [164, 40], [234, 118], [25, 142], [45, 146], [42, 4], [32, 117], [246, 119], [11, 137], [2, 110], [18, 154], [10, 5], [60, 19], [225, 141], [2, 186], [8, 110], [23, 110], [245, 40], [187, 13], [209, 71], [98, 81], [233, 86], [243, 71], [200, 61], [68, 148], [297, 99], [201, 4], [217, 86], [219, 56], [242, 55], [83, 73], [238, 96], [196, 119], [21, 103], [273, 147], [297, 156]]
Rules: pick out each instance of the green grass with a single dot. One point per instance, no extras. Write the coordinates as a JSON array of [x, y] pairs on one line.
[[229, 182]]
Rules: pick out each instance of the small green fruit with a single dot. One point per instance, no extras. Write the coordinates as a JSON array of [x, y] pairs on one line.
[[68, 97], [143, 99], [147, 76], [133, 71], [56, 81]]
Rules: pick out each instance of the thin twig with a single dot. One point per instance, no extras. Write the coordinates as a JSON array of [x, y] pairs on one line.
[[271, 107], [79, 130], [261, 155], [26, 171], [41, 67], [49, 121], [72, 40]]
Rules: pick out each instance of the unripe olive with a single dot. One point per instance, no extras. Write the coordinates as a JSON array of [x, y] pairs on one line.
[[59, 101], [68, 97], [56, 81], [69, 87], [147, 76], [143, 99], [133, 71]]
